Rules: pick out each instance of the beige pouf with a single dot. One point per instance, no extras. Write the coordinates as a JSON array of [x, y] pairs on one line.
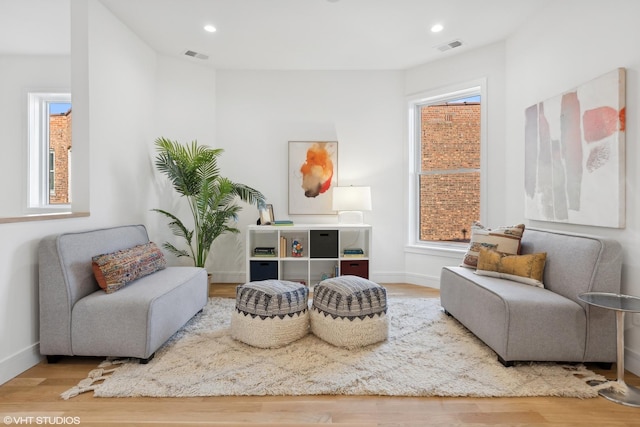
[[349, 311], [270, 313]]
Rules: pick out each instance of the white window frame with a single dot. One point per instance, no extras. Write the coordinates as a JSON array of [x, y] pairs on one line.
[[38, 151], [475, 87], [52, 171]]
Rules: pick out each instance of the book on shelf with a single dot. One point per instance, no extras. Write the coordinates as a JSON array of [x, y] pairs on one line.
[[264, 251], [282, 222], [353, 251], [283, 246]]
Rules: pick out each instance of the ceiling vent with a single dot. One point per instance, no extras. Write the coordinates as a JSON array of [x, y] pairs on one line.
[[450, 45], [196, 55]]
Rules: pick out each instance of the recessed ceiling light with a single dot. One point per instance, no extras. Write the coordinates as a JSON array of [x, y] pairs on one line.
[[437, 28], [210, 28]]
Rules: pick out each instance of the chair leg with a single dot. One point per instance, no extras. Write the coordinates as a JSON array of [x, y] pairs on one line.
[[505, 363], [604, 365], [53, 358], [147, 360]]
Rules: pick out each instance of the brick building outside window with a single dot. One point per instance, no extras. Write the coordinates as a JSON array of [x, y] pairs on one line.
[[59, 158], [449, 171]]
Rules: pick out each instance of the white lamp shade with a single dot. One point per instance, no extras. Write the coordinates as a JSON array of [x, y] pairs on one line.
[[352, 198]]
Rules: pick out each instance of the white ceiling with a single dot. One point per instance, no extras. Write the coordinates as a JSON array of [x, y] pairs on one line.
[[288, 34]]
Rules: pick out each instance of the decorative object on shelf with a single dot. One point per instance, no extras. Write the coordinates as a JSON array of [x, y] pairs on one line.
[[296, 247], [193, 170], [574, 155], [283, 222], [350, 202], [266, 214], [313, 173]]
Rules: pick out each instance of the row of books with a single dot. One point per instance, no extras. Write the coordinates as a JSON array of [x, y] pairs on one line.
[[283, 245]]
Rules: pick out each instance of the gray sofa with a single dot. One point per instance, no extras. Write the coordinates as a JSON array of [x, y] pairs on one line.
[[526, 323], [78, 318]]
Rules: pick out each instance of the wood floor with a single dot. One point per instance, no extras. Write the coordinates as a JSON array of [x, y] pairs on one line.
[[32, 398]]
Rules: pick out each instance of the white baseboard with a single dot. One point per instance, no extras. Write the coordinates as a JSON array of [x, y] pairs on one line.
[[386, 277], [632, 361], [238, 277], [17, 363], [423, 280]]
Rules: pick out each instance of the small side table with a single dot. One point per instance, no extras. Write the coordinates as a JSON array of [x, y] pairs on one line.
[[627, 395]]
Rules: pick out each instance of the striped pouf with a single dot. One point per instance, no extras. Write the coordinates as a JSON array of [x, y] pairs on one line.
[[270, 313], [349, 311]]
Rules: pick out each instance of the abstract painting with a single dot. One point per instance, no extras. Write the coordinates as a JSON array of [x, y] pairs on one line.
[[575, 155], [313, 172]]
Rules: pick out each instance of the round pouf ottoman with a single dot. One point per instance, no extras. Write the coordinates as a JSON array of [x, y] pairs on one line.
[[270, 313], [349, 311]]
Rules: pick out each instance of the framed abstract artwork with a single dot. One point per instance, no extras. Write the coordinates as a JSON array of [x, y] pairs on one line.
[[575, 155], [313, 172]]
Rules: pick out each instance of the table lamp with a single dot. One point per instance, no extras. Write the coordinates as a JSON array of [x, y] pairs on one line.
[[350, 202]]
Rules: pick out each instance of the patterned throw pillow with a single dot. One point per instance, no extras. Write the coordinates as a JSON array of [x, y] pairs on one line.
[[526, 269], [502, 239], [114, 270]]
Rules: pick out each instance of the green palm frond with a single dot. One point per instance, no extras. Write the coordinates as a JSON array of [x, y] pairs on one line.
[[175, 251], [194, 173]]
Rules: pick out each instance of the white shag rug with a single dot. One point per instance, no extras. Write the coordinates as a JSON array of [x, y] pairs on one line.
[[427, 354]]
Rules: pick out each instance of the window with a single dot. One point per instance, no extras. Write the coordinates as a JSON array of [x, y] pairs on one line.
[[52, 172], [49, 152], [446, 173]]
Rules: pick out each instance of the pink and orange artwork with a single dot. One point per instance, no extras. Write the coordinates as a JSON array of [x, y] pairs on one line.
[[317, 170], [574, 155], [312, 175]]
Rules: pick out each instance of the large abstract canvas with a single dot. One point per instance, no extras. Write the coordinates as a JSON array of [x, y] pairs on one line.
[[574, 155]]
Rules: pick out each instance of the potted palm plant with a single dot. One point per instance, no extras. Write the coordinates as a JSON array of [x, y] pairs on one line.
[[193, 171]]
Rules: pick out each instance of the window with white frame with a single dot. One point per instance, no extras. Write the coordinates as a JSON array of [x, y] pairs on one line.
[[446, 166], [50, 148]]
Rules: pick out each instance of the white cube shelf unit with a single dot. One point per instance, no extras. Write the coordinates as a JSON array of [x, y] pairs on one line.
[[323, 252]]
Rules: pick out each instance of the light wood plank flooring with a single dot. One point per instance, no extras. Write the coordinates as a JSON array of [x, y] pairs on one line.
[[35, 393]]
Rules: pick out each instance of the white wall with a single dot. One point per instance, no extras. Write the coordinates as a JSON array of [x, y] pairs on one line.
[[18, 76], [423, 266], [114, 95], [121, 87], [258, 112], [568, 44], [185, 100]]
